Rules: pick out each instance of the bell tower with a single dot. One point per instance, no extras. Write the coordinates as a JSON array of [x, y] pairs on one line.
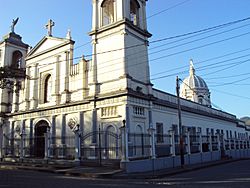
[[12, 65], [120, 47]]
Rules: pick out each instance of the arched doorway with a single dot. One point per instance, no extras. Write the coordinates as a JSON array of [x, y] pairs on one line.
[[139, 141], [40, 129], [111, 142]]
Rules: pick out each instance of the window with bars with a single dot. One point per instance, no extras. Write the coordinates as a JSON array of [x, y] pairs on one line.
[[109, 111], [159, 133], [138, 110]]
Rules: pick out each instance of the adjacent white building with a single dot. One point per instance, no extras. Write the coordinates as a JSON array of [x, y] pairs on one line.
[[99, 94]]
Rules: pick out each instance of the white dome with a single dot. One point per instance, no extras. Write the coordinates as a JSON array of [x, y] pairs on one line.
[[194, 88], [195, 81]]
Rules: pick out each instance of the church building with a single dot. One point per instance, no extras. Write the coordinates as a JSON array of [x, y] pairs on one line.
[[102, 98]]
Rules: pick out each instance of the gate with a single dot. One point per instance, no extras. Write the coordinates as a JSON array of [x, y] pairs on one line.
[[101, 145]]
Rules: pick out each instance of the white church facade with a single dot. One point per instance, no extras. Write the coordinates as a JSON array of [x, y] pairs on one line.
[[104, 107]]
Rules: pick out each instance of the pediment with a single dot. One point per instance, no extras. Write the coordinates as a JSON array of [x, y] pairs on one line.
[[47, 44]]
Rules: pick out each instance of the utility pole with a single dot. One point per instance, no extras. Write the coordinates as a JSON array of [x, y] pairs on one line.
[[180, 123]]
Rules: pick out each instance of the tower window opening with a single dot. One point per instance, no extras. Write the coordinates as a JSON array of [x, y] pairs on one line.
[[108, 12], [134, 12], [16, 59]]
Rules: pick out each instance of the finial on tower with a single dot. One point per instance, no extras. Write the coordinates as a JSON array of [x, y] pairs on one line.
[[68, 36], [191, 68]]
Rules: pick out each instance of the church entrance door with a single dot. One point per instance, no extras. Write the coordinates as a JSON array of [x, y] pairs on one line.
[[40, 129]]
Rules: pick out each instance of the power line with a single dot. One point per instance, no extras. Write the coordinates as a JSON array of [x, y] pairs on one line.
[[229, 23], [202, 68], [233, 65], [231, 94], [168, 48], [169, 8], [196, 40], [199, 62], [159, 57], [201, 46], [173, 37], [208, 67], [225, 77], [230, 83]]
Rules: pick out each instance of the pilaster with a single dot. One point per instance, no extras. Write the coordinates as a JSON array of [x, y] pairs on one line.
[[65, 93], [34, 87]]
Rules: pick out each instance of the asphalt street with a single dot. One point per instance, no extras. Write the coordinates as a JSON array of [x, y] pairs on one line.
[[236, 174]]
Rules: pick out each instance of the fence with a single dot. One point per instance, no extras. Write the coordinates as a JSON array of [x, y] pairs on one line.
[[34, 147], [101, 145], [105, 145]]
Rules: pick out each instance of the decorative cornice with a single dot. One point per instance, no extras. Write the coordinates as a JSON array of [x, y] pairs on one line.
[[119, 23]]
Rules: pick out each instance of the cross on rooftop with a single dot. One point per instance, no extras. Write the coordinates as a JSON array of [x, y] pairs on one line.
[[49, 26]]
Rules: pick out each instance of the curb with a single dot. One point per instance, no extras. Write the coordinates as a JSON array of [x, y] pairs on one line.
[[171, 172], [117, 174]]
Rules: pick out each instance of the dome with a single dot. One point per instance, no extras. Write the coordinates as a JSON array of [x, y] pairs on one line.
[[195, 81], [194, 88]]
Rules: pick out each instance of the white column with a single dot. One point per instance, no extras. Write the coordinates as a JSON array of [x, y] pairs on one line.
[[81, 122], [77, 145], [235, 144], [93, 70], [56, 86], [151, 131], [15, 96], [200, 142], [63, 130], [22, 145], [172, 142], [223, 142], [46, 145], [53, 136], [210, 142], [53, 129], [65, 92], [66, 81], [126, 11], [229, 144], [94, 15], [218, 141], [27, 88], [124, 133], [188, 143], [34, 88], [12, 133]]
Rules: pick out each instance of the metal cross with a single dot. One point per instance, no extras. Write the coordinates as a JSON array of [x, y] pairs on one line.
[[49, 26]]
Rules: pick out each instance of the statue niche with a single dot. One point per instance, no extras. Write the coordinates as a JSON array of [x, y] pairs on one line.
[[16, 60]]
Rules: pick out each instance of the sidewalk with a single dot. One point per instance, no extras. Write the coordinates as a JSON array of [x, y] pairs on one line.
[[108, 172]]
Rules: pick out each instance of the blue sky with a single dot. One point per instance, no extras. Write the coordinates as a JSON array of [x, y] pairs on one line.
[[220, 56]]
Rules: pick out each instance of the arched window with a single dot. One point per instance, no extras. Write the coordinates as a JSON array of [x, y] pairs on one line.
[[16, 59], [200, 99], [47, 89], [108, 12], [134, 12]]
